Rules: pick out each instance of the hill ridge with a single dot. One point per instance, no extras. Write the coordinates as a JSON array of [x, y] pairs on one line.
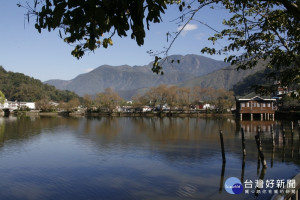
[[125, 77]]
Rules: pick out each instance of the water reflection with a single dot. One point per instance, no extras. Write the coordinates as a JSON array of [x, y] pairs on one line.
[[137, 158]]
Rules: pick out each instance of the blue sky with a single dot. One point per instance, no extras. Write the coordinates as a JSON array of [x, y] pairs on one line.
[[45, 56]]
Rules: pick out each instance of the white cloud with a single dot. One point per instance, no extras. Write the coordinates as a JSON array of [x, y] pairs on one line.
[[199, 36], [187, 28], [88, 70]]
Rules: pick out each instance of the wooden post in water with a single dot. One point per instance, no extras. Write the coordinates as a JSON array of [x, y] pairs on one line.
[[292, 138], [260, 181], [283, 142], [244, 154], [243, 170], [299, 139], [273, 137], [222, 147], [222, 177], [283, 136], [258, 164], [260, 150], [283, 147], [292, 151], [273, 145], [273, 155], [243, 143]]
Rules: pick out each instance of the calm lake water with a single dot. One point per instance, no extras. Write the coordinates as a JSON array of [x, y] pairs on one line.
[[136, 158]]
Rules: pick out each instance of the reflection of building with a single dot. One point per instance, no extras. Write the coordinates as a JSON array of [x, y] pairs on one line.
[[252, 104], [252, 126]]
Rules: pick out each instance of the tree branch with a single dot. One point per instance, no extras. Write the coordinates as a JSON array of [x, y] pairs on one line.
[[290, 7]]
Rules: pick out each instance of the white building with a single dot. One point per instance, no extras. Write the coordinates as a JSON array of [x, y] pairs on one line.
[[30, 105], [146, 109], [14, 105]]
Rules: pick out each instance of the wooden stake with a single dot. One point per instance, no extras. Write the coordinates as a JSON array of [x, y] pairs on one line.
[[258, 164], [272, 159], [243, 142], [243, 170], [222, 147], [292, 138], [261, 178], [283, 136], [260, 150], [272, 135], [222, 177]]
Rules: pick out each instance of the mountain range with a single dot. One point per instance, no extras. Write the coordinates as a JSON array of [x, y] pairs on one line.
[[192, 70]]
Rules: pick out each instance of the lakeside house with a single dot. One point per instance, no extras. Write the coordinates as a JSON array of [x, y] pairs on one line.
[[14, 105], [200, 105], [253, 104]]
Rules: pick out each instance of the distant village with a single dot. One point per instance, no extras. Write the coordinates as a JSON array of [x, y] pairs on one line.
[[166, 100]]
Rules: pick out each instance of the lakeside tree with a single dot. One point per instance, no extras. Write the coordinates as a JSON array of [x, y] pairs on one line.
[[224, 100], [207, 95], [158, 96], [44, 105], [140, 100], [287, 103], [2, 97], [184, 97], [257, 30], [70, 105], [88, 102], [172, 99], [263, 30], [108, 100]]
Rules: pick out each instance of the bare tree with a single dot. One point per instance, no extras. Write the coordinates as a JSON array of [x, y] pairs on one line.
[[109, 100]]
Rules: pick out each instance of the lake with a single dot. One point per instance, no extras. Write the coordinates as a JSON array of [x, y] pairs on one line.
[[137, 158]]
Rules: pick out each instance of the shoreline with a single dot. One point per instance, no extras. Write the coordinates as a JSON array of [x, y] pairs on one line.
[[128, 114], [279, 115]]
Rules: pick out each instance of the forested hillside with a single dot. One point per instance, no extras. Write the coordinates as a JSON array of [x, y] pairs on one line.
[[248, 84], [224, 78], [17, 86]]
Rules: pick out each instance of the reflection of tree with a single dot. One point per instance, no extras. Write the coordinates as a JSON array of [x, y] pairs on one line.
[[87, 126], [2, 130], [25, 127], [108, 127], [173, 138], [168, 130]]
